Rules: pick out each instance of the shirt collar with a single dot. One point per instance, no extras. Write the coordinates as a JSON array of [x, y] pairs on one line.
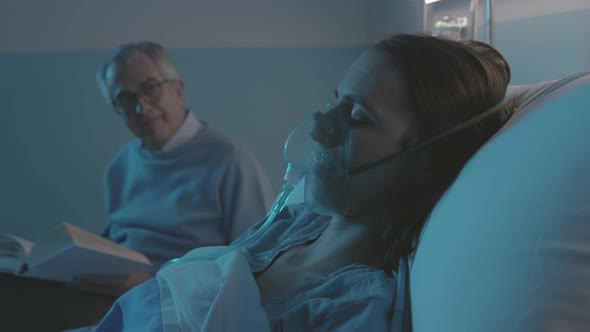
[[187, 130]]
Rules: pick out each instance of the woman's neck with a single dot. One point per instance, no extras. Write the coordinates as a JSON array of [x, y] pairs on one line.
[[350, 240]]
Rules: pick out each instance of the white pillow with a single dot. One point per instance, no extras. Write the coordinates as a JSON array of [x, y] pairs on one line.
[[508, 246]]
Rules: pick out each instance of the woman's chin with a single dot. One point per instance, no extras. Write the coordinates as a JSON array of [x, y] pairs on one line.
[[325, 198]]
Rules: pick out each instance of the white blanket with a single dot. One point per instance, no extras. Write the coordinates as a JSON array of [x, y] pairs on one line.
[[212, 295]]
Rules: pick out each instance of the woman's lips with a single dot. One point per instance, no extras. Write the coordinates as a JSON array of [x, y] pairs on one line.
[[326, 164]]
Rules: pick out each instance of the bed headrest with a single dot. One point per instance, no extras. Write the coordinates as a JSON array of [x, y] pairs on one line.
[[508, 246]]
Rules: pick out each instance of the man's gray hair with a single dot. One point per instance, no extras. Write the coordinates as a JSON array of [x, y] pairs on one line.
[[156, 52]]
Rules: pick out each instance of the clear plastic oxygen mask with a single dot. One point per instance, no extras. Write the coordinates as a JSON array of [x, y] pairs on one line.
[[327, 162], [314, 149]]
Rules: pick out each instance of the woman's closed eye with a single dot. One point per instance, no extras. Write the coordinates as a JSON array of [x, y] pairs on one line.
[[360, 116]]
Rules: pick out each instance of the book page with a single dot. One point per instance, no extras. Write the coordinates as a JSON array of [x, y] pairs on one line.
[[13, 252], [86, 239], [68, 252], [75, 262], [25, 244]]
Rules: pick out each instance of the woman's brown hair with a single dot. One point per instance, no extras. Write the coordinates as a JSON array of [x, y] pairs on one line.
[[449, 82]]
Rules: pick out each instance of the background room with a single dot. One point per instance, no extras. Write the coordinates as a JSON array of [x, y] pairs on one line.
[[253, 68]]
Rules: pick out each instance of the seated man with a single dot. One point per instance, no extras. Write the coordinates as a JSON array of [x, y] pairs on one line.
[[182, 184]]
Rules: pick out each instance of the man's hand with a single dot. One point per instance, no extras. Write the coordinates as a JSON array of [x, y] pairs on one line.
[[111, 285]]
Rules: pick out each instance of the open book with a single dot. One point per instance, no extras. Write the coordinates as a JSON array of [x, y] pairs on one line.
[[66, 253]]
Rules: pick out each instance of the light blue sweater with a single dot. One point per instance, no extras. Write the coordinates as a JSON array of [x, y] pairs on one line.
[[204, 192]]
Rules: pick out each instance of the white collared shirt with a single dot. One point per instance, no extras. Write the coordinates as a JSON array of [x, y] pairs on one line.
[[187, 130]]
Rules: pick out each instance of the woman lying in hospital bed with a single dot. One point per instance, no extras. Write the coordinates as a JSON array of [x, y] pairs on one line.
[[405, 118]]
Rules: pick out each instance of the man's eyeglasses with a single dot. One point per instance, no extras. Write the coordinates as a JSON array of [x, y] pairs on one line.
[[126, 101]]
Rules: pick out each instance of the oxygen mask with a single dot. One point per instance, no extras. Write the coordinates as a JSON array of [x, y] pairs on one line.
[[318, 148]]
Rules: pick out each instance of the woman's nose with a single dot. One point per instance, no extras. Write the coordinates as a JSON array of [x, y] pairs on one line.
[[324, 130], [324, 123]]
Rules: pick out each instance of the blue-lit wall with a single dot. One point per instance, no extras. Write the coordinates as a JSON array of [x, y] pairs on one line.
[[58, 134], [545, 47]]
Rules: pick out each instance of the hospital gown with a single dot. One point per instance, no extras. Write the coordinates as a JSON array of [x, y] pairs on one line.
[[222, 294]]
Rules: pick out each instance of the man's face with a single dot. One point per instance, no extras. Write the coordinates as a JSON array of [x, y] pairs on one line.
[[152, 106]]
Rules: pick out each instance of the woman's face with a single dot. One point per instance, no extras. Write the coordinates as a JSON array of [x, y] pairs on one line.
[[372, 100]]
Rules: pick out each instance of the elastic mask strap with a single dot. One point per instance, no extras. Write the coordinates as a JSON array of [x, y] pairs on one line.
[[430, 140]]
